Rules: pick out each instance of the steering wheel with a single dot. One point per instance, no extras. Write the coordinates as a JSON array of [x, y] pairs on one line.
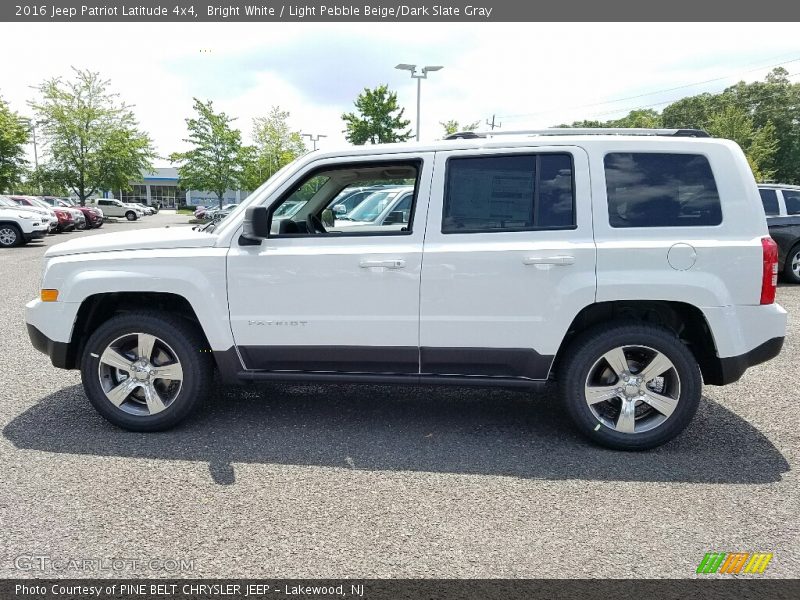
[[314, 224]]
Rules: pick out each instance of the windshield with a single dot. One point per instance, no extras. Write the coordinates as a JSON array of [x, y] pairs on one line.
[[371, 208], [40, 203], [8, 203]]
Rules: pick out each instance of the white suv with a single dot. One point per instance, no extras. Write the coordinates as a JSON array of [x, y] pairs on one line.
[[112, 207], [19, 226], [630, 266]]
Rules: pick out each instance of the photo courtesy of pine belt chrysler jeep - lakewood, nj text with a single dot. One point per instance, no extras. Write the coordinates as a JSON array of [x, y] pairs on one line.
[[627, 266]]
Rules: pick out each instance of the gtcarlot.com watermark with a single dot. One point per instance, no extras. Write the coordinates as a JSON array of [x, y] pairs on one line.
[[45, 563]]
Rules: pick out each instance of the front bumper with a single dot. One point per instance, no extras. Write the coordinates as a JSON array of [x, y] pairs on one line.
[[35, 235], [59, 352]]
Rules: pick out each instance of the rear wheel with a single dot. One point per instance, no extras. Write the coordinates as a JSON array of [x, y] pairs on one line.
[[144, 371], [630, 387], [791, 269], [130, 215], [10, 235]]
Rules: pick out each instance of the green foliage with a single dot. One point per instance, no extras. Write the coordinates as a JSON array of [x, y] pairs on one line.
[[452, 126], [276, 145], [378, 120], [92, 142], [215, 162], [42, 181], [13, 137], [763, 117]]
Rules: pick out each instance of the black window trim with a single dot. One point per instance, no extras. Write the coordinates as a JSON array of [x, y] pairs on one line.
[[693, 227], [417, 162], [521, 152]]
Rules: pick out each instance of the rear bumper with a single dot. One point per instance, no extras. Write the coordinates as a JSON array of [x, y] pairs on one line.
[[59, 352], [733, 367]]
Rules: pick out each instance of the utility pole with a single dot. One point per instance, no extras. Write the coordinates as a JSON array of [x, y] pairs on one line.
[[32, 126], [314, 138], [492, 124]]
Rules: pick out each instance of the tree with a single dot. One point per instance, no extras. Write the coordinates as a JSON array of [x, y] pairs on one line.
[[216, 159], [13, 137], [379, 119], [276, 145], [452, 126], [42, 181], [92, 142]]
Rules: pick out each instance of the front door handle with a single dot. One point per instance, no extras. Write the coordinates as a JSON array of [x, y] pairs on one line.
[[561, 260], [393, 263]]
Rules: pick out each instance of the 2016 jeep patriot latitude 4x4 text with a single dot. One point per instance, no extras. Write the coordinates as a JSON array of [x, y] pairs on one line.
[[629, 266]]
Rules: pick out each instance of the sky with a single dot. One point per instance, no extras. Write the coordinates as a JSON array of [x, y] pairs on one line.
[[530, 75]]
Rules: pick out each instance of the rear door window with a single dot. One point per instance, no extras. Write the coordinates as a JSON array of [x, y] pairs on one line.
[[657, 189]]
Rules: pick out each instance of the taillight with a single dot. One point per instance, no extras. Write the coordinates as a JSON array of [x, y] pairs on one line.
[[769, 275]]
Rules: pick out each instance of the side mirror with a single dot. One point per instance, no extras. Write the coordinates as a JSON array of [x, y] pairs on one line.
[[256, 225], [328, 218], [340, 209]]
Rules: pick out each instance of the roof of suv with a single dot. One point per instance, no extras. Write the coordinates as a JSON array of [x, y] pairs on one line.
[[556, 136]]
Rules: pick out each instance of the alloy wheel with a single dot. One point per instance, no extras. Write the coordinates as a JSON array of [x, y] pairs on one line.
[[140, 374], [632, 389]]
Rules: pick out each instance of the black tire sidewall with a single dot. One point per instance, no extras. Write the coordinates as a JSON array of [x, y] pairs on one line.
[[128, 215], [16, 231], [588, 348], [180, 337]]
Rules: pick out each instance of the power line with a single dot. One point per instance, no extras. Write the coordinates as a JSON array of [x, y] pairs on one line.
[[663, 91]]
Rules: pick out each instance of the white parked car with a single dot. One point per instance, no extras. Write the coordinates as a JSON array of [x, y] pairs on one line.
[[47, 216], [390, 206], [19, 226], [148, 210], [112, 207], [629, 266]]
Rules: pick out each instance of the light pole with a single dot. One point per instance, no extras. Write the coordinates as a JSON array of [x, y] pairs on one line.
[[314, 138], [422, 75], [32, 125]]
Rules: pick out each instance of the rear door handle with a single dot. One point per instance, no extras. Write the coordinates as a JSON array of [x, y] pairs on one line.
[[393, 263], [561, 260]]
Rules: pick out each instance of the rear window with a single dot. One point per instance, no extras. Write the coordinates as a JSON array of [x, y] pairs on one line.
[[661, 190], [792, 200], [769, 198]]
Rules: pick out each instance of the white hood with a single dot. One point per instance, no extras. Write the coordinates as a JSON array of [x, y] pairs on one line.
[[140, 239]]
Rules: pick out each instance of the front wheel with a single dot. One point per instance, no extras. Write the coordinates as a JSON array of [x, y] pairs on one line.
[[144, 371], [10, 235], [130, 215], [630, 387]]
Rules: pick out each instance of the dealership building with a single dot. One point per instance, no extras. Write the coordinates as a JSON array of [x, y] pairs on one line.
[[161, 187]]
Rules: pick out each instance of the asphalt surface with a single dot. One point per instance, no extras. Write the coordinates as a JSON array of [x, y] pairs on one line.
[[381, 481]]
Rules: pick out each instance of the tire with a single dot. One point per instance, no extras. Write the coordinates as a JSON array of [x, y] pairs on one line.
[[791, 268], [587, 366], [113, 348], [10, 235], [131, 216]]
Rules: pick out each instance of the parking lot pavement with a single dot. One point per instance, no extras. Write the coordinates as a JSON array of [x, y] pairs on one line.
[[381, 481]]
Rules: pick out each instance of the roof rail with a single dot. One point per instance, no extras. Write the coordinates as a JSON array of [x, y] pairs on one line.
[[467, 135]]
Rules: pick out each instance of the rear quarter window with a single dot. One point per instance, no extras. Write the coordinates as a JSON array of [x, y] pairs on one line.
[[792, 200], [657, 189], [770, 201]]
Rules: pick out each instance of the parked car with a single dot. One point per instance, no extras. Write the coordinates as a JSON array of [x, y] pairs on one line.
[[221, 214], [351, 197], [782, 207], [64, 220], [210, 212], [630, 285], [19, 226], [148, 210], [112, 207], [92, 217], [387, 206], [200, 212], [48, 217]]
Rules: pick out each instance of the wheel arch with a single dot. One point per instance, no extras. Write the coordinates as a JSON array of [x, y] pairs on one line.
[[98, 308], [686, 320]]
